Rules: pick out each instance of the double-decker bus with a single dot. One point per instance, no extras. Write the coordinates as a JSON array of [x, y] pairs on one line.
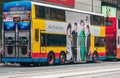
[[113, 38], [35, 33]]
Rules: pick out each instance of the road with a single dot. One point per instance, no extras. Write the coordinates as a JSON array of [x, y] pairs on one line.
[[88, 70]]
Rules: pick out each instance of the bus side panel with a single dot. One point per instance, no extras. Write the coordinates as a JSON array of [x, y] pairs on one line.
[[39, 51], [97, 32], [102, 51], [37, 25], [111, 39]]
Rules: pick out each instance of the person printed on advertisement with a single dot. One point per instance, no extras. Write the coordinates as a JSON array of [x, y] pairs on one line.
[[69, 38], [88, 35], [74, 42], [81, 41]]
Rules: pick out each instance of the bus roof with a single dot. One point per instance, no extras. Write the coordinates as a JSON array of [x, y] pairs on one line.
[[49, 5], [64, 8]]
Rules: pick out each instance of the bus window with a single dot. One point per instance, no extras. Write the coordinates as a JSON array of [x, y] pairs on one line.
[[49, 13], [42, 39], [99, 41], [51, 40], [57, 14], [61, 40], [40, 12], [36, 35], [53, 14], [107, 22], [55, 40], [97, 20]]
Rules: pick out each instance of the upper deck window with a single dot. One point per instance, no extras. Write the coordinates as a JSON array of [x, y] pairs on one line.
[[40, 12], [97, 20], [107, 22], [49, 13], [57, 14]]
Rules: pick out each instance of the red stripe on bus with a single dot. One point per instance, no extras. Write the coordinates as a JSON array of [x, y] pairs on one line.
[[43, 55], [99, 54]]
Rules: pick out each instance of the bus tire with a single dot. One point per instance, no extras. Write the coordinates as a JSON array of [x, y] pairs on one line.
[[51, 58], [62, 58], [95, 57]]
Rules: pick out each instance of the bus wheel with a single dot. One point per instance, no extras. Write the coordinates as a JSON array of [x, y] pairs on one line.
[[62, 58], [95, 57], [51, 59]]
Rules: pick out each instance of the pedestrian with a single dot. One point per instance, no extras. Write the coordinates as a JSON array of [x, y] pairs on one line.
[[69, 39], [81, 41], [74, 42]]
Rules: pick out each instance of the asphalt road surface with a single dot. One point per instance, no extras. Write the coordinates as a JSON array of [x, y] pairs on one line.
[[88, 70]]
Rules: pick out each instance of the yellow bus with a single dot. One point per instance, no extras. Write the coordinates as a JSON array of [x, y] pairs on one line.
[[36, 33]]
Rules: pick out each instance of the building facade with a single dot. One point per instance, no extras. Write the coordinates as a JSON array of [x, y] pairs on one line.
[[110, 8], [89, 5]]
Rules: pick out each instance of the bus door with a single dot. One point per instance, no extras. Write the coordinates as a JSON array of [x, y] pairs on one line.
[[42, 42], [9, 39], [24, 39]]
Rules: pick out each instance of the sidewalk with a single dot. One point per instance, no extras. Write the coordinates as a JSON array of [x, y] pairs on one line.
[[8, 64]]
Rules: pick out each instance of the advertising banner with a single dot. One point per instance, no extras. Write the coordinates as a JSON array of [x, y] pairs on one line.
[[69, 3], [108, 11]]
